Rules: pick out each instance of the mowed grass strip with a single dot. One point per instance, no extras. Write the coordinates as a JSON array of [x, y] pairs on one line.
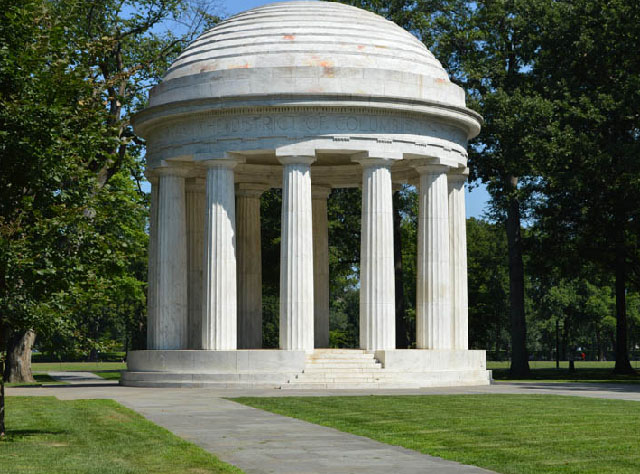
[[46, 435], [77, 366], [586, 371], [106, 370], [39, 380], [504, 433]]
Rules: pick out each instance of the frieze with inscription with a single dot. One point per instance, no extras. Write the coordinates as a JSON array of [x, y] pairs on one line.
[[212, 127]]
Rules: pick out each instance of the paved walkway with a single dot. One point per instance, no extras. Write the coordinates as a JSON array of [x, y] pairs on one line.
[[262, 442], [79, 378]]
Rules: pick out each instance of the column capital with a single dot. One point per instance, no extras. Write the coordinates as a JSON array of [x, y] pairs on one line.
[[151, 176], [222, 162], [320, 192], [458, 175], [372, 161], [251, 189], [196, 185], [296, 159], [430, 168], [181, 171]]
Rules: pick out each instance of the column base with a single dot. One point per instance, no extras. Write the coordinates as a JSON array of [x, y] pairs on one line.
[[322, 369], [252, 369], [437, 368]]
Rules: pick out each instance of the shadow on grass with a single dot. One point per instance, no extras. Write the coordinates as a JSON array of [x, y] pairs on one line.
[[12, 435], [596, 375], [39, 380]]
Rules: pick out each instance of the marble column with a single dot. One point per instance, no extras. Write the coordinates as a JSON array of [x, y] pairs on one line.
[[319, 197], [219, 316], [377, 274], [249, 265], [296, 255], [458, 256], [433, 315], [152, 279], [171, 305], [195, 248]]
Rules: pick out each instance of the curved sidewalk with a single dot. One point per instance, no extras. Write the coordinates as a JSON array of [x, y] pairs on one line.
[[262, 442]]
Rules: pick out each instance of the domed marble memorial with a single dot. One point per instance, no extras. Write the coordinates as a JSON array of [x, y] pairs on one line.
[[306, 97]]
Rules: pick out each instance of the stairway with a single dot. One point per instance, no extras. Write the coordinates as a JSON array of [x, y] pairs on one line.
[[343, 369]]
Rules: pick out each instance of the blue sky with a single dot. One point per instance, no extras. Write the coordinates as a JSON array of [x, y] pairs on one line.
[[234, 6]]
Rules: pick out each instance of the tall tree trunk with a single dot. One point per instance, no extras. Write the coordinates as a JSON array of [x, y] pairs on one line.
[[519, 358], [18, 362], [2, 429], [402, 341], [623, 366]]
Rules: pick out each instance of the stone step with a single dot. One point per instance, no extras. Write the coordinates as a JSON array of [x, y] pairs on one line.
[[275, 378], [213, 385], [343, 365], [340, 351], [340, 356], [347, 386], [336, 380], [346, 375]]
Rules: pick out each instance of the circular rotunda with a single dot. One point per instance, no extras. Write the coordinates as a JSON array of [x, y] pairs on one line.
[[306, 96]]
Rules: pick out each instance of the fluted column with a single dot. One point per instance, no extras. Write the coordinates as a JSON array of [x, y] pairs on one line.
[[296, 255], [319, 197], [249, 265], [195, 249], [458, 255], [219, 320], [170, 328], [433, 315], [152, 279], [377, 287]]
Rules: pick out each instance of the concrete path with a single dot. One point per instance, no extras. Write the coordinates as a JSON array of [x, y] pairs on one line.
[[78, 378], [262, 442]]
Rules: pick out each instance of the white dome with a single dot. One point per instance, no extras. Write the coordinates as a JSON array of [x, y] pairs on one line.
[[307, 47]]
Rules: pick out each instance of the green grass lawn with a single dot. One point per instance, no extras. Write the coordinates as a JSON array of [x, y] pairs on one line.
[[108, 374], [77, 366], [39, 380], [106, 370], [46, 435], [586, 371], [505, 433]]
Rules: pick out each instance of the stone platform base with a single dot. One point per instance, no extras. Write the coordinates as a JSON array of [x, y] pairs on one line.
[[317, 370]]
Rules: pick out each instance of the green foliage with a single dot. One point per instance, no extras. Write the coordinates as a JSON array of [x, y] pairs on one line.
[[72, 213], [488, 283], [343, 207]]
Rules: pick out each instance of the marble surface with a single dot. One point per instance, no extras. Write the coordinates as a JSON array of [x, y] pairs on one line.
[[219, 323], [296, 255], [377, 273], [433, 305], [249, 265]]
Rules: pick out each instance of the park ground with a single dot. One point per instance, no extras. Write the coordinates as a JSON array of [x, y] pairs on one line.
[[511, 427], [541, 371]]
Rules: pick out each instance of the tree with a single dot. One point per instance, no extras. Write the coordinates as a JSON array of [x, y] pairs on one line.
[[73, 73], [488, 273], [588, 69], [48, 116]]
